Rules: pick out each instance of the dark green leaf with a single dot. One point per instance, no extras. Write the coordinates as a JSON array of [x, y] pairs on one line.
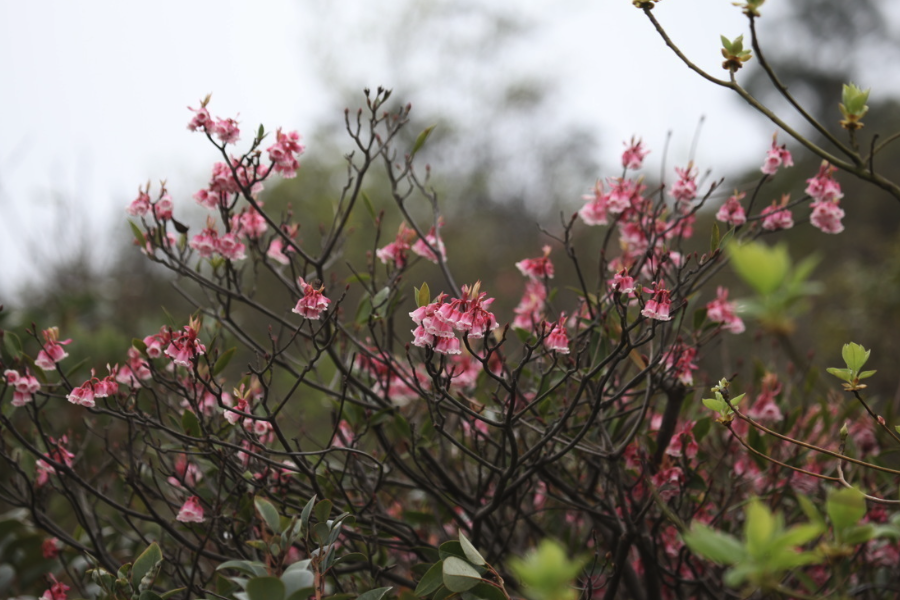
[[148, 595], [265, 588], [223, 361], [323, 511], [376, 594], [190, 424], [369, 206], [248, 567]]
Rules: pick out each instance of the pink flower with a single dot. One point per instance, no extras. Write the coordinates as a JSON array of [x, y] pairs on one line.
[[57, 590], [83, 395], [732, 212], [284, 153], [164, 207], [313, 303], [24, 387], [396, 250], [776, 157], [447, 345], [622, 282], [826, 216], [469, 313], [140, 206], [683, 443], [679, 361], [685, 189], [191, 511], [776, 216], [721, 310], [422, 249], [230, 247], [53, 350], [634, 154], [156, 342], [50, 548], [250, 223], [186, 473], [185, 346], [823, 187], [243, 405], [530, 310], [668, 482], [537, 268], [595, 211], [201, 119], [558, 340], [658, 307], [227, 131], [206, 242]]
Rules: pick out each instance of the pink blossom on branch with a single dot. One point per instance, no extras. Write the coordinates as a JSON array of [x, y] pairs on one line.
[[596, 209], [776, 216], [823, 186], [685, 189], [634, 154], [396, 251], [659, 305], [777, 156], [722, 311], [826, 216], [732, 212], [558, 340], [57, 590], [186, 346], [284, 152], [52, 351], [422, 249], [24, 387], [191, 511], [537, 268], [313, 303]]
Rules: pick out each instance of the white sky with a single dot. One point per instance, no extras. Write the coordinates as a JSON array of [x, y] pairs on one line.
[[95, 93]]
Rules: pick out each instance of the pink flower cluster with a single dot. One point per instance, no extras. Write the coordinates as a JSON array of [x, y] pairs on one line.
[[685, 189], [438, 322], [231, 179], [57, 590], [284, 152], [826, 194], [313, 303], [732, 212], [162, 208], [679, 361], [87, 392], [134, 371], [24, 386], [777, 216], [659, 305], [624, 197], [634, 154], [537, 268], [58, 454], [722, 311], [184, 346], [396, 251], [557, 339], [53, 350], [776, 156], [225, 129], [389, 380], [278, 249], [208, 242]]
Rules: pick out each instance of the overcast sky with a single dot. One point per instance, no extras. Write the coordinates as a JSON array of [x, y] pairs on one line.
[[95, 92]]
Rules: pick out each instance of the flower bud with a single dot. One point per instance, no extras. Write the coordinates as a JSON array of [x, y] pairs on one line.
[[845, 431]]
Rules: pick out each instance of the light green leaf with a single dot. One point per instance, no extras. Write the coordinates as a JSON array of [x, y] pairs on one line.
[[459, 575], [855, 356], [844, 374], [759, 527], [845, 507], [471, 553], [431, 581], [423, 295], [762, 267], [718, 547], [420, 141]]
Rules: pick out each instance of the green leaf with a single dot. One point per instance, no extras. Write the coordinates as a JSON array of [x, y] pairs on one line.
[[304, 515], [845, 507], [297, 579], [148, 595], [138, 234], [699, 318], [715, 238], [459, 575], [423, 295], [715, 404], [190, 424], [866, 374], [323, 511], [420, 141], [486, 591], [858, 534], [713, 545], [369, 206], [171, 593], [762, 267], [844, 374], [248, 567], [144, 563], [431, 581], [759, 527], [265, 588], [451, 548], [471, 553], [269, 514], [223, 361], [855, 356], [376, 594], [13, 343]]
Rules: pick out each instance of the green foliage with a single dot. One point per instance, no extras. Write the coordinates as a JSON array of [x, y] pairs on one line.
[[547, 573], [767, 552], [855, 357]]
